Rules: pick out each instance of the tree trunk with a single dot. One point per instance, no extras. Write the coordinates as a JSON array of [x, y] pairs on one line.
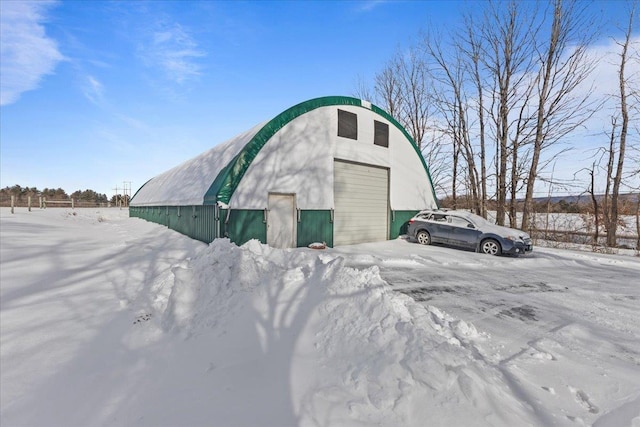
[[638, 226], [513, 187], [541, 116], [594, 201], [454, 189], [617, 180], [606, 210]]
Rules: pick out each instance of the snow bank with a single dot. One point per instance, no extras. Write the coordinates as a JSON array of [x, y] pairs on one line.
[[112, 321], [337, 342]]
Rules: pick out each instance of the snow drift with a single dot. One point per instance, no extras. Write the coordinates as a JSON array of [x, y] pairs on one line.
[[112, 321]]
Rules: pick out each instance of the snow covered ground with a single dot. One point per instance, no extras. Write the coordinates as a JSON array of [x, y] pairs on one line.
[[111, 321]]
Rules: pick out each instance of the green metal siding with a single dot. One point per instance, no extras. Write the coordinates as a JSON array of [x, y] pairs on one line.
[[203, 223], [400, 222], [160, 215], [315, 226], [197, 222], [243, 225], [180, 219]]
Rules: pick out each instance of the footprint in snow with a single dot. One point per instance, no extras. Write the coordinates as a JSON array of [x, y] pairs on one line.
[[549, 389], [583, 399], [142, 318]]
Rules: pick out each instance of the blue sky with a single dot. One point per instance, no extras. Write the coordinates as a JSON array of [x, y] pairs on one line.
[[98, 93]]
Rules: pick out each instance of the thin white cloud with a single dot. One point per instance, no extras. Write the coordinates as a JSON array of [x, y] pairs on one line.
[[26, 53], [606, 71], [369, 5], [174, 51], [604, 84], [93, 90]]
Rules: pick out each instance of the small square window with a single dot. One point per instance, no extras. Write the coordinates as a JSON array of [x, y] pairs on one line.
[[381, 134], [347, 124]]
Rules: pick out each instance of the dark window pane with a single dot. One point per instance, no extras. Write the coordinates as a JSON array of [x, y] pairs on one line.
[[381, 134], [347, 124]]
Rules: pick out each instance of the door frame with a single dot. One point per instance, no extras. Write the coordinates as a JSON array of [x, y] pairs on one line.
[[388, 189], [294, 222]]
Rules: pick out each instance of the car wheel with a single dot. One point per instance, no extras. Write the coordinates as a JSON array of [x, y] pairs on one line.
[[423, 238], [490, 247]]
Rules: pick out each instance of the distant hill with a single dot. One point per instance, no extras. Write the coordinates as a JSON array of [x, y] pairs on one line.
[[585, 198]]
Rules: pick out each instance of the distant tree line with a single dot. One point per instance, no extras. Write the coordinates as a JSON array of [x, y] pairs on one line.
[[627, 204], [88, 196]]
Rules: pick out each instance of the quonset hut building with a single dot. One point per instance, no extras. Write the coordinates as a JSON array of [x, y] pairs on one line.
[[335, 169]]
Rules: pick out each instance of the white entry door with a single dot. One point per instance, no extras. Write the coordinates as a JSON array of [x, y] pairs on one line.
[[281, 221]]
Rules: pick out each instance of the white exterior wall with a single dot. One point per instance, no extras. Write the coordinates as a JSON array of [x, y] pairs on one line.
[[299, 159]]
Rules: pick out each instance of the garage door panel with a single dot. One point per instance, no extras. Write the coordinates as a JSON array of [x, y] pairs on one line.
[[361, 203], [358, 201], [363, 176]]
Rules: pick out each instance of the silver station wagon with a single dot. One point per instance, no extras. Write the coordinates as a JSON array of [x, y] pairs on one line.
[[466, 230]]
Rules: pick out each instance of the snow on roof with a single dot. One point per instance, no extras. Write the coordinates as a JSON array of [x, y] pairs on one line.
[[187, 183]]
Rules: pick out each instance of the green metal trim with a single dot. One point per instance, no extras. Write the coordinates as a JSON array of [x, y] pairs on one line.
[[134, 196], [229, 177], [399, 223], [211, 196]]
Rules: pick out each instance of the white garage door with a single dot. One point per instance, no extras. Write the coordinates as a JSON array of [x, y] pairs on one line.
[[361, 203]]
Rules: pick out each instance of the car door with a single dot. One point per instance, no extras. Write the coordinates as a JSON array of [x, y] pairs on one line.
[[462, 232], [438, 228]]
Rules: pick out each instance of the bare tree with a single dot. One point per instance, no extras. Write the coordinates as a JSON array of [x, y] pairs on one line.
[[509, 34], [473, 47], [510, 83], [437, 159], [415, 106], [492, 57], [452, 103], [363, 91], [403, 89], [610, 153], [594, 202], [387, 88], [638, 224], [617, 154], [563, 67], [454, 173]]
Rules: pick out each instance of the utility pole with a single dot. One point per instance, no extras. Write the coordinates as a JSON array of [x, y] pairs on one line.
[[127, 192], [116, 190]]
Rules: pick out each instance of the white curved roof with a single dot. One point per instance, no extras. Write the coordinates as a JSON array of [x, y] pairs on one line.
[[294, 153], [187, 183]]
